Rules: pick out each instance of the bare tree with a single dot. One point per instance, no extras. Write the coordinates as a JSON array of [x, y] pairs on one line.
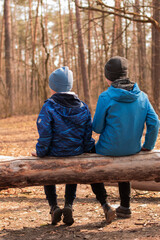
[[123, 13], [156, 55], [89, 44], [82, 57], [34, 38], [141, 51], [84, 42], [117, 47], [73, 50], [105, 42], [7, 21], [45, 78], [62, 34], [26, 70], [1, 43]]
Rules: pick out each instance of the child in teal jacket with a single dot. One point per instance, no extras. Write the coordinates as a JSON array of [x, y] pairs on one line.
[[121, 113]]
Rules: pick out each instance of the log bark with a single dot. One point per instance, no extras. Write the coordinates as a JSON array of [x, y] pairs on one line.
[[146, 186], [143, 186], [85, 168]]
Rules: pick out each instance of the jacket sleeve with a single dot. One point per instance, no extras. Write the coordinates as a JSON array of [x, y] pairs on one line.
[[152, 124], [45, 132], [99, 116], [89, 142]]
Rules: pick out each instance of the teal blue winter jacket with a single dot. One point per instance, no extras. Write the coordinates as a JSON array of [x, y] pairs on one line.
[[120, 118]]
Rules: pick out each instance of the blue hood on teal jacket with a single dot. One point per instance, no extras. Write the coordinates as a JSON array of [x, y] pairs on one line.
[[120, 117]]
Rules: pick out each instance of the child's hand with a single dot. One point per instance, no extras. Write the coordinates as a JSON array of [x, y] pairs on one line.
[[34, 154], [144, 149]]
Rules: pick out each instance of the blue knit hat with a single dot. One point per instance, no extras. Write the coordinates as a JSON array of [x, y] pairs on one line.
[[61, 80]]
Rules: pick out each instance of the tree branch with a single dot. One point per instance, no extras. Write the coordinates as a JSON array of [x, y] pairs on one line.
[[123, 14]]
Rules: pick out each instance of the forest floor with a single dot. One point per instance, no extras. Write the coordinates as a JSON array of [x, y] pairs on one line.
[[24, 213]]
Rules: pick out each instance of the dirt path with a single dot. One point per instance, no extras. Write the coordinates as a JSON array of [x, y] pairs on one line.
[[24, 213]]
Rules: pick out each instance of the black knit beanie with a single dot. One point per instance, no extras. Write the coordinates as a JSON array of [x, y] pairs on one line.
[[116, 68]]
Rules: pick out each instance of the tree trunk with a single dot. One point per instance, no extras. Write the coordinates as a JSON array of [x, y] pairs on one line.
[[7, 21], [73, 50], [62, 35], [117, 41], [18, 82], [141, 51], [26, 69], [45, 78], [85, 168], [134, 60], [156, 56], [1, 44], [98, 85], [34, 37], [105, 42], [99, 61], [15, 62], [82, 57], [126, 39], [89, 45]]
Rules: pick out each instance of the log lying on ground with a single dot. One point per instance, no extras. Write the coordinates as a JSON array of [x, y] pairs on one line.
[[85, 168], [143, 185], [146, 186]]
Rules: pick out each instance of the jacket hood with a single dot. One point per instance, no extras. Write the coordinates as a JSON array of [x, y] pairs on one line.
[[122, 95], [69, 107], [69, 99]]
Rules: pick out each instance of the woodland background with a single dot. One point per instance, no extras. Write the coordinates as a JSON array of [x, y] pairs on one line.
[[38, 36]]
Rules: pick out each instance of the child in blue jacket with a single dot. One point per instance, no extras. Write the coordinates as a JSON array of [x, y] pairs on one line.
[[121, 113], [65, 129]]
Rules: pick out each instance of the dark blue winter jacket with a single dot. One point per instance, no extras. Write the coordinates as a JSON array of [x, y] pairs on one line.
[[64, 127]]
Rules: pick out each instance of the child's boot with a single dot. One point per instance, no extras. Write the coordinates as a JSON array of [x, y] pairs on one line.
[[123, 212], [56, 214], [67, 214], [109, 212]]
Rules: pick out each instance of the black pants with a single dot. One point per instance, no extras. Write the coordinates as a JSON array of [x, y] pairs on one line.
[[100, 192], [98, 189], [124, 192], [70, 193]]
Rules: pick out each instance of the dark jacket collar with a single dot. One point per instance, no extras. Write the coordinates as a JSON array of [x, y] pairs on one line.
[[69, 100], [123, 84]]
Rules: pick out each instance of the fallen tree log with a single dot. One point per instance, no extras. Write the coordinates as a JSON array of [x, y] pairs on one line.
[[85, 168], [146, 186], [143, 185]]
